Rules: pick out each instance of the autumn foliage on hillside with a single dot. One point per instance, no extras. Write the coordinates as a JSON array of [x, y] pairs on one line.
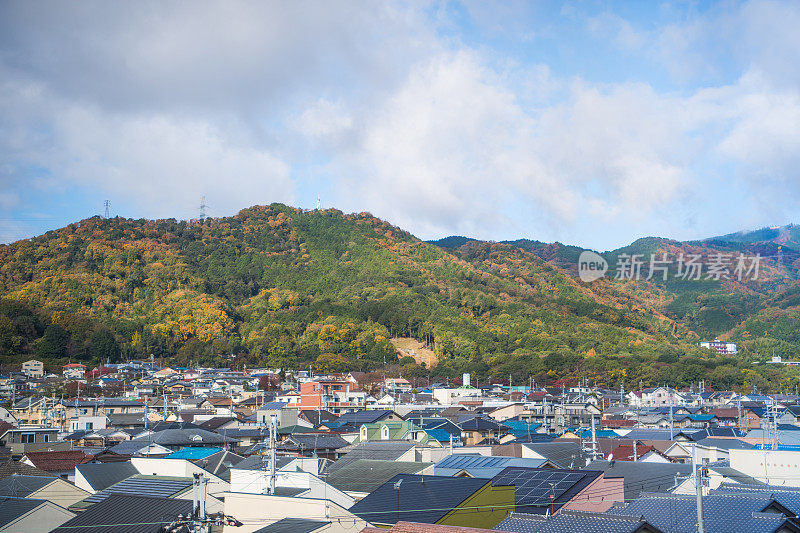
[[289, 288]]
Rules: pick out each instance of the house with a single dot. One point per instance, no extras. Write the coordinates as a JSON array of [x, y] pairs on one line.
[[547, 490], [334, 395], [33, 369], [468, 465], [361, 477], [317, 444], [357, 418], [454, 501], [52, 489], [375, 450], [259, 512], [720, 476], [74, 371], [94, 477], [723, 513], [221, 406], [507, 411], [478, 430], [31, 515], [285, 415], [24, 440], [735, 417], [641, 477], [57, 463], [149, 514], [568, 520], [397, 385], [395, 430], [30, 411]]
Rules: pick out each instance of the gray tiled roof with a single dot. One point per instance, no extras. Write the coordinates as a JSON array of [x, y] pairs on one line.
[[384, 450], [366, 475], [188, 437], [127, 513], [313, 441], [102, 475], [570, 522], [13, 508], [723, 513], [641, 476], [17, 486]]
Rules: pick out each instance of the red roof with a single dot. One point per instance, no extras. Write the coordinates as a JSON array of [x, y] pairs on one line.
[[621, 423], [5, 426], [413, 527], [624, 452], [74, 365], [57, 461]]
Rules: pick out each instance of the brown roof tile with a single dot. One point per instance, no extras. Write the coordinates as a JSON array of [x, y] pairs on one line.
[[57, 461]]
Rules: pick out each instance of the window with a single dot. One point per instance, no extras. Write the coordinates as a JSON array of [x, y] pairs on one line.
[[45, 438], [28, 438], [89, 426]]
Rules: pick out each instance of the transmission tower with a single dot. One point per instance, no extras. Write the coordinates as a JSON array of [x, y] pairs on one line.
[[107, 205], [203, 208]]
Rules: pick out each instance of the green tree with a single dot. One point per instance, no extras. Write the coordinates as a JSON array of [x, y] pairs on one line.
[[103, 346]]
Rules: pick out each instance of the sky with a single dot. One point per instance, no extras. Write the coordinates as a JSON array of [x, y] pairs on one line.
[[589, 123]]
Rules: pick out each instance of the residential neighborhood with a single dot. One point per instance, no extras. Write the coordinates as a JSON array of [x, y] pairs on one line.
[[227, 450]]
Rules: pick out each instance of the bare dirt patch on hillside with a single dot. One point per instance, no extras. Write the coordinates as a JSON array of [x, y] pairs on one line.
[[408, 346]]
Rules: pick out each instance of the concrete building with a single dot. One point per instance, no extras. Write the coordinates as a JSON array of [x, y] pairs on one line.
[[33, 368]]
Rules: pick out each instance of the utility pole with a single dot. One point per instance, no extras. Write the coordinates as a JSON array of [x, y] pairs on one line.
[[739, 417], [698, 483], [671, 419], [273, 437]]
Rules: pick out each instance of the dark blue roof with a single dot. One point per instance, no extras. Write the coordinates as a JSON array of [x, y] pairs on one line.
[[424, 499], [363, 417], [482, 424]]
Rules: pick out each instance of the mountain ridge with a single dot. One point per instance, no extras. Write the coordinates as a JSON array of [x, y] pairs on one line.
[[274, 285]]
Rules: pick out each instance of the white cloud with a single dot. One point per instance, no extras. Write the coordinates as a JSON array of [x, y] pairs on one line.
[[159, 104]]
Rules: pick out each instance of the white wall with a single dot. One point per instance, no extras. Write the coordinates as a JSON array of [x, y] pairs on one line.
[[178, 468], [256, 511], [768, 466]]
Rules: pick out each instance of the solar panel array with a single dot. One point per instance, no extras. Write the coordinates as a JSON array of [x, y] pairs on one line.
[[538, 487], [471, 461], [151, 486]]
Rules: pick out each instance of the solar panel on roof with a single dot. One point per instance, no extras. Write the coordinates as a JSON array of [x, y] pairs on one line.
[[535, 489]]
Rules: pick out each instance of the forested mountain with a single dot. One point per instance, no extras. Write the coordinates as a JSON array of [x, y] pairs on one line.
[[284, 287]]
